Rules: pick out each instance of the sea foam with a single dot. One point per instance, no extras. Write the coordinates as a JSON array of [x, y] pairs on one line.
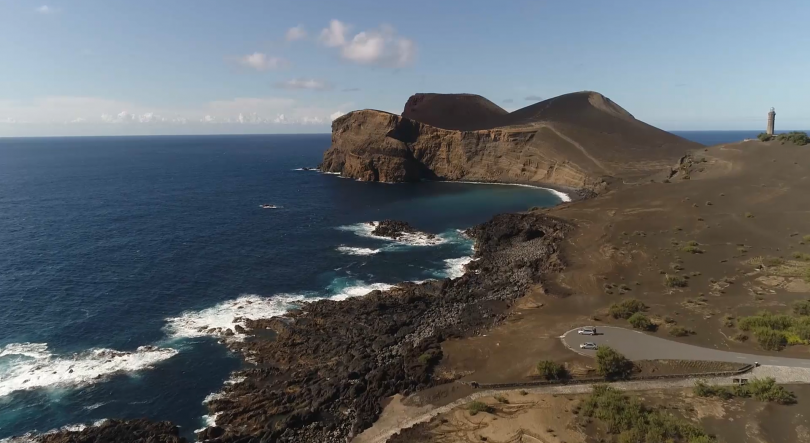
[[454, 267], [217, 320], [357, 251], [559, 194], [221, 318], [30, 366], [409, 239]]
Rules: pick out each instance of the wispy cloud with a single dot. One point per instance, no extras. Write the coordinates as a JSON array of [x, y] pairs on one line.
[[304, 83], [534, 98], [335, 35], [45, 9], [296, 33], [262, 62], [382, 46], [351, 89]]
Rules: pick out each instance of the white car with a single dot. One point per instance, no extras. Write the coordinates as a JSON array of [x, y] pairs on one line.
[[588, 345], [587, 330]]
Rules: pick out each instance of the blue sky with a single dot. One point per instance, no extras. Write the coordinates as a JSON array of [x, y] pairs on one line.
[[96, 67]]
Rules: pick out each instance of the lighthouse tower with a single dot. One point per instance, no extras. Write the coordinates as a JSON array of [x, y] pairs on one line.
[[771, 121]]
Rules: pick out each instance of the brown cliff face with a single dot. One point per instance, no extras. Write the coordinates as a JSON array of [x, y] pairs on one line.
[[578, 140]]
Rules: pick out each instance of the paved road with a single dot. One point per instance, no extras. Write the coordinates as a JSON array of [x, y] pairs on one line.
[[636, 345]]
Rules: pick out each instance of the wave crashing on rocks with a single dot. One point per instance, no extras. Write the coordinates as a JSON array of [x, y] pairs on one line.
[[28, 366]]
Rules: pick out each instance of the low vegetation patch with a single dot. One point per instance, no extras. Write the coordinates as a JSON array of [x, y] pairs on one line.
[[477, 406], [796, 137], [626, 308], [762, 389], [680, 331], [640, 321], [550, 370], [775, 331], [675, 281], [692, 250], [628, 418], [612, 365]]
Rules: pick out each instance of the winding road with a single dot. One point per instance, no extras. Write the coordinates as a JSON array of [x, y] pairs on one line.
[[636, 345]]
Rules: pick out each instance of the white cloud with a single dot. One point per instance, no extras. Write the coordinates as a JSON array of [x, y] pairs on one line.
[[303, 83], [335, 115], [262, 62], [335, 35], [45, 9], [382, 47], [296, 33], [94, 116]]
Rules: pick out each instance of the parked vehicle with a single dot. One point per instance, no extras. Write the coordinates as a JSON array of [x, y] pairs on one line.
[[587, 330], [589, 345]]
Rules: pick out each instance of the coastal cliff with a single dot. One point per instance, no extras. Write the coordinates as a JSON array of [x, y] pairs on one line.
[[581, 141]]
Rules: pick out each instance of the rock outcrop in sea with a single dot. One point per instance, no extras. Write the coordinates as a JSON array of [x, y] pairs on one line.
[[581, 140]]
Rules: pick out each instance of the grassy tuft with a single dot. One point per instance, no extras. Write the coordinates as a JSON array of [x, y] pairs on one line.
[[550, 370], [680, 331], [477, 406], [626, 308], [628, 418], [675, 281]]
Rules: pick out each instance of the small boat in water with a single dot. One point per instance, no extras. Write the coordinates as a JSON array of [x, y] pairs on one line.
[[266, 206]]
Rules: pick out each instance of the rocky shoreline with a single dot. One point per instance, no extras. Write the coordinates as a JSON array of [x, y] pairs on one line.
[[322, 371]]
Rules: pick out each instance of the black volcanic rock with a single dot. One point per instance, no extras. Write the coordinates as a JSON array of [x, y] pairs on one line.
[[395, 229], [118, 431], [331, 363]]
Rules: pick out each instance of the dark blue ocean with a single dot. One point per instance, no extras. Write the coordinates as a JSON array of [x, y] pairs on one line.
[[125, 259]]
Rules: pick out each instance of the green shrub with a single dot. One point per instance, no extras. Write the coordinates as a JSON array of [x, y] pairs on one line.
[[626, 308], [770, 339], [550, 370], [764, 136], [680, 331], [765, 320], [675, 281], [640, 321], [773, 261], [796, 137], [766, 389], [502, 399], [611, 364], [762, 389], [801, 307], [692, 243], [477, 406], [692, 250], [806, 238], [633, 422], [749, 215]]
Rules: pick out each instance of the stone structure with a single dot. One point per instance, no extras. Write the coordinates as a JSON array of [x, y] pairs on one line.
[[771, 121]]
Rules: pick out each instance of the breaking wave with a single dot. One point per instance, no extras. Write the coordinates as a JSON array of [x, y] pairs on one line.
[[357, 251], [409, 239], [26, 366], [221, 320], [454, 267]]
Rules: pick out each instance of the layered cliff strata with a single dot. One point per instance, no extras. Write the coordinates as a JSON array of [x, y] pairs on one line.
[[581, 140]]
